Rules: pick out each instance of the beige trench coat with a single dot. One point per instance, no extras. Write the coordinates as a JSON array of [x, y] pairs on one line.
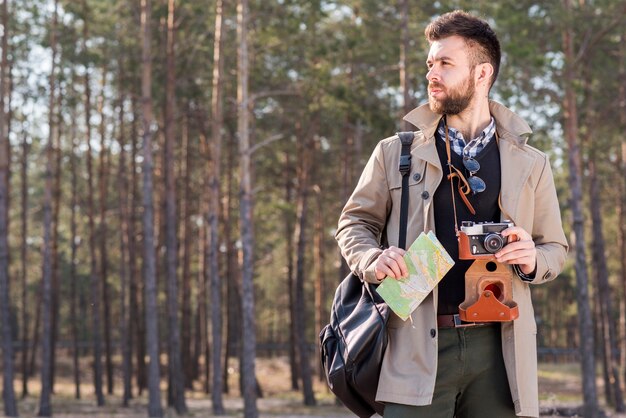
[[527, 197]]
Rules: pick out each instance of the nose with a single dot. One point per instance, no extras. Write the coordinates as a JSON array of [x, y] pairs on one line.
[[432, 75]]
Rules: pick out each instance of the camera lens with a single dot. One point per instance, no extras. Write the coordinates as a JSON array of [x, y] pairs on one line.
[[493, 243]]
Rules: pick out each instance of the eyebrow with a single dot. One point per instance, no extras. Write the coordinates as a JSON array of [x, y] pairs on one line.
[[430, 60]]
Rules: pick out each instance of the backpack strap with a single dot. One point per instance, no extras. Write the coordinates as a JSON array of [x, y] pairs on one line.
[[406, 138]]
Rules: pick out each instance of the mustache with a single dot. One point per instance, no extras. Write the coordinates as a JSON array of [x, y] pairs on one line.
[[435, 85]]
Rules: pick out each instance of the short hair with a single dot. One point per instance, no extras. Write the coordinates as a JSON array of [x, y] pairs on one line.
[[481, 39]]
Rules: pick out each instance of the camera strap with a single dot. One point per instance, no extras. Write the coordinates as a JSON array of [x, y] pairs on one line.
[[450, 176], [406, 138]]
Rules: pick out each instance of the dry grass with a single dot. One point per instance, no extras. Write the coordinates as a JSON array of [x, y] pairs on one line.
[[559, 386], [278, 401]]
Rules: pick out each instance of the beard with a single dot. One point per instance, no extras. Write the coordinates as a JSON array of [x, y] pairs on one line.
[[456, 100]]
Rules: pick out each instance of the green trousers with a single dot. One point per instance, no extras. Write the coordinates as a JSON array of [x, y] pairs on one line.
[[471, 378]]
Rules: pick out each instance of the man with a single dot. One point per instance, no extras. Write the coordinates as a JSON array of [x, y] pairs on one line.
[[434, 366]]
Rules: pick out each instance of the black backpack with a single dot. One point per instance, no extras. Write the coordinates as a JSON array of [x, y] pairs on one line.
[[354, 343]]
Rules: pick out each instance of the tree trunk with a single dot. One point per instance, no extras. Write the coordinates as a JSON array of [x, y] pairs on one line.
[[6, 72], [8, 392], [601, 346], [604, 291], [319, 261], [195, 319], [137, 312], [8, 96], [621, 196], [205, 294], [45, 407], [74, 319], [294, 367], [304, 151], [122, 184], [214, 211], [189, 365], [575, 184], [36, 332], [151, 308], [203, 251], [24, 264], [202, 339], [176, 375], [405, 47], [246, 210], [347, 164], [95, 280], [233, 285], [56, 208], [103, 182]]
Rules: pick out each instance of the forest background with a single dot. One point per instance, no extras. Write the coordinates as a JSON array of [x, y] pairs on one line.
[[171, 174]]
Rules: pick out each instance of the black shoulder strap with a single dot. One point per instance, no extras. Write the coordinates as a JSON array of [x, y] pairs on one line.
[[405, 168]]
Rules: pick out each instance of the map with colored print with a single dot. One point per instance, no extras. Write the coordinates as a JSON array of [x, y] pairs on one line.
[[427, 262]]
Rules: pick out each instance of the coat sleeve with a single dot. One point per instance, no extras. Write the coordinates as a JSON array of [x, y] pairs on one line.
[[363, 218], [548, 229]]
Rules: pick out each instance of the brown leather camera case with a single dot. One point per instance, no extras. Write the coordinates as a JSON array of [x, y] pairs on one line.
[[488, 293]]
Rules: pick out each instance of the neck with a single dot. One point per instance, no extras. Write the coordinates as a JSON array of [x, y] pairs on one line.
[[472, 120]]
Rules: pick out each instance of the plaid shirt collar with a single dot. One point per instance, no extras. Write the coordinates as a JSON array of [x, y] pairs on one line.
[[471, 149]]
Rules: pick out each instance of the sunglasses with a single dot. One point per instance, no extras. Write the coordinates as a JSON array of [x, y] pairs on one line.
[[476, 184], [472, 183]]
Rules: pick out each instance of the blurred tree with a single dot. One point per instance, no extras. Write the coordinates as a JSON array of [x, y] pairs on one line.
[[94, 279], [246, 210], [45, 406], [74, 297], [125, 238], [150, 287], [214, 194], [8, 392], [176, 387]]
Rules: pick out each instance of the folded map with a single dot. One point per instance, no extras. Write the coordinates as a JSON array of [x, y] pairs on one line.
[[427, 262]]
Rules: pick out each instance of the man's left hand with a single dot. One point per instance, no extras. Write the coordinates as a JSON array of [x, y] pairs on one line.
[[521, 252]]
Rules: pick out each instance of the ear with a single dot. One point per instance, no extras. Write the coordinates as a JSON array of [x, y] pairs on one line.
[[484, 73]]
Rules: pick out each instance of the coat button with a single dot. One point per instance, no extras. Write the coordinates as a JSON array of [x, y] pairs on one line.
[[417, 176], [425, 195], [433, 332]]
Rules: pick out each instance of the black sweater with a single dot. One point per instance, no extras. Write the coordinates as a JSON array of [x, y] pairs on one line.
[[452, 286]]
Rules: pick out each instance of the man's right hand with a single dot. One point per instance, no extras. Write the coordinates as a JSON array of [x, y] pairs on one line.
[[391, 263]]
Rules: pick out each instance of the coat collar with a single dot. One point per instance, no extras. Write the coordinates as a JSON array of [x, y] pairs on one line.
[[513, 132], [508, 124]]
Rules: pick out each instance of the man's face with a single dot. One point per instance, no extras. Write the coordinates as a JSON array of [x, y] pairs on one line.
[[451, 83]]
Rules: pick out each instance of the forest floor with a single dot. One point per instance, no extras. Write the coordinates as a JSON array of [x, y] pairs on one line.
[[559, 388]]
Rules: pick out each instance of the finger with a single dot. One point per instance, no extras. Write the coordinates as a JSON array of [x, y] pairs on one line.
[[519, 232], [518, 257], [398, 258], [516, 246], [383, 271], [387, 266], [515, 251], [397, 250], [394, 265]]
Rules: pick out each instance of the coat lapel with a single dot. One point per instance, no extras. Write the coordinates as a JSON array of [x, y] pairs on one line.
[[516, 165]]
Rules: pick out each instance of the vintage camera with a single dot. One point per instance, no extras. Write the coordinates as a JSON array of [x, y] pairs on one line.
[[482, 239]]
